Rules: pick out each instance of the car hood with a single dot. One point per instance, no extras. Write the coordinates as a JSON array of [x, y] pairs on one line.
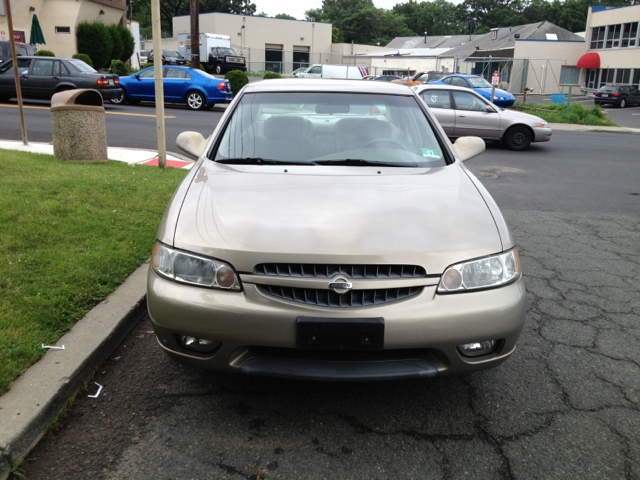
[[499, 92], [248, 215]]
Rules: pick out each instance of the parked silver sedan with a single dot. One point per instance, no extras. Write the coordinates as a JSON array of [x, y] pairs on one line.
[[329, 231], [462, 112]]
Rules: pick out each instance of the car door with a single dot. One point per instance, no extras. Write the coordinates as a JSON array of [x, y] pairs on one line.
[[634, 95], [474, 116], [142, 86], [439, 101], [42, 82], [7, 79], [176, 84]]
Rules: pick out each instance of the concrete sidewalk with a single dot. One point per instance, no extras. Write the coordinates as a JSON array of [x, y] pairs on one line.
[[132, 156], [593, 128]]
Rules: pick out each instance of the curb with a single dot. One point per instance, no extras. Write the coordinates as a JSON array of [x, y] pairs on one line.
[[41, 393], [593, 128]]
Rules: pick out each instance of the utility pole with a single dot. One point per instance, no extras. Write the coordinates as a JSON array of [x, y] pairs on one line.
[[16, 74], [156, 30], [195, 34]]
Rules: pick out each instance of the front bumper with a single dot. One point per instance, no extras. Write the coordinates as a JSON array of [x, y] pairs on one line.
[[504, 103], [258, 332], [542, 134]]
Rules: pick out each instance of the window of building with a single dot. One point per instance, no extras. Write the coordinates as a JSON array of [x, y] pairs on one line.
[[63, 29], [623, 75], [613, 36], [597, 38], [494, 34], [629, 35], [569, 75], [636, 77]]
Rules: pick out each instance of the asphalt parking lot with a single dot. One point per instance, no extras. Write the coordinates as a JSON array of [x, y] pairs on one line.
[[565, 406]]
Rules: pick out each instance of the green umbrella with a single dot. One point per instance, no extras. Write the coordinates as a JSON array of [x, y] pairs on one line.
[[36, 31]]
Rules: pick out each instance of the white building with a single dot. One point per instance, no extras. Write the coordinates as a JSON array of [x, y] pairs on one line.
[[613, 48]]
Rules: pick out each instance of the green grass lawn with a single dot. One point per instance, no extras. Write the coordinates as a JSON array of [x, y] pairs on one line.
[[578, 113], [70, 233]]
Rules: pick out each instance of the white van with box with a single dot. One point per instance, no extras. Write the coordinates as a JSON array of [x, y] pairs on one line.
[[343, 72]]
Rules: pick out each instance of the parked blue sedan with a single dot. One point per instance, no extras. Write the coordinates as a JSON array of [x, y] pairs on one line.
[[502, 98], [196, 88]]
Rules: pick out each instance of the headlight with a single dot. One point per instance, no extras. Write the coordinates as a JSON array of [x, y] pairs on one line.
[[486, 272], [193, 269]]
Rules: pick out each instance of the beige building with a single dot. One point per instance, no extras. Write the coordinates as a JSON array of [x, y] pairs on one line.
[[272, 44], [613, 47], [59, 19]]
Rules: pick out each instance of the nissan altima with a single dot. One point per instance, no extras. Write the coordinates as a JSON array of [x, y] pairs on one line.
[[330, 231]]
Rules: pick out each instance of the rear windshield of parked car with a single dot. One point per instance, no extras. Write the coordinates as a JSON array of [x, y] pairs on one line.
[[477, 82], [609, 89], [312, 127], [81, 66]]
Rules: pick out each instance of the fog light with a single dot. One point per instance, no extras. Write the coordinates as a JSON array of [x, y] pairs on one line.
[[201, 345], [478, 349]]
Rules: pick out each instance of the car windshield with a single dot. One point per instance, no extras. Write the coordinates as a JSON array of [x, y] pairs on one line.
[[226, 51], [171, 53], [316, 128], [81, 66], [478, 82]]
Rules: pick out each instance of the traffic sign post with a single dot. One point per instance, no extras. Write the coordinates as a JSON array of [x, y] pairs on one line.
[[495, 81]]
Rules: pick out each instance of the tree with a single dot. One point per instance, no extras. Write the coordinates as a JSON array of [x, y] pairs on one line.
[[284, 15], [261, 14]]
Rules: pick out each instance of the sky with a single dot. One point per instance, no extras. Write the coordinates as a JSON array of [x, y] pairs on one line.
[[298, 7]]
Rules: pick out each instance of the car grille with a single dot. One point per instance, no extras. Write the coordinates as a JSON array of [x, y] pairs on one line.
[[328, 298], [329, 271], [235, 60]]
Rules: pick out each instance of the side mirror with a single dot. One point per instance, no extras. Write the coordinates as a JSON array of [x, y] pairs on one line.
[[490, 109], [192, 143], [136, 76], [466, 147]]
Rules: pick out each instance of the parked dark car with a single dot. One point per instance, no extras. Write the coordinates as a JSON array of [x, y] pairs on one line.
[[169, 57], [41, 77], [222, 59], [22, 50], [618, 95], [196, 88]]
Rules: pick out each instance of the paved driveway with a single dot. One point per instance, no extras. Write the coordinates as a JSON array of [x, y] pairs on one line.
[[565, 406]]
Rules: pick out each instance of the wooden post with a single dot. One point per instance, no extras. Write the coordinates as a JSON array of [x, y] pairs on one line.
[[195, 35], [156, 30], [569, 102], [16, 75]]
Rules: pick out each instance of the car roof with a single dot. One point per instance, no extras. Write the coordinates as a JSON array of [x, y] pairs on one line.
[[326, 85], [464, 75], [440, 86]]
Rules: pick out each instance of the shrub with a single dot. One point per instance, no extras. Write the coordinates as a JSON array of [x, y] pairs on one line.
[[95, 40], [269, 75], [85, 58], [128, 43], [45, 53], [118, 46], [238, 79], [146, 65], [119, 68]]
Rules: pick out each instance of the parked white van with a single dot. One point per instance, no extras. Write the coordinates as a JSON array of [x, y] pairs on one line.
[[334, 71]]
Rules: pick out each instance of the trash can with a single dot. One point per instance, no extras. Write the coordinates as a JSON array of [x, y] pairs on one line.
[[558, 98], [78, 126]]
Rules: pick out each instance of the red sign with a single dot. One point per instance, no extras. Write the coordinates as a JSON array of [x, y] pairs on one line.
[[495, 79]]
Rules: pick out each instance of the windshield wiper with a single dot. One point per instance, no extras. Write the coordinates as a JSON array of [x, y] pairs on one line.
[[359, 162], [261, 161]]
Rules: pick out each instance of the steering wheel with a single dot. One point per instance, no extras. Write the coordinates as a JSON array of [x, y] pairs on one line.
[[388, 141]]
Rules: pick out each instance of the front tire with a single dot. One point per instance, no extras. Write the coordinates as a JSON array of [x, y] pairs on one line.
[[195, 101], [218, 69], [518, 138]]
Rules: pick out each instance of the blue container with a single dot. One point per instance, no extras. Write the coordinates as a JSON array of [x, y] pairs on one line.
[[558, 98]]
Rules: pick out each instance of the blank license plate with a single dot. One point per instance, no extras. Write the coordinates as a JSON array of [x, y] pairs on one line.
[[340, 334], [111, 82]]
